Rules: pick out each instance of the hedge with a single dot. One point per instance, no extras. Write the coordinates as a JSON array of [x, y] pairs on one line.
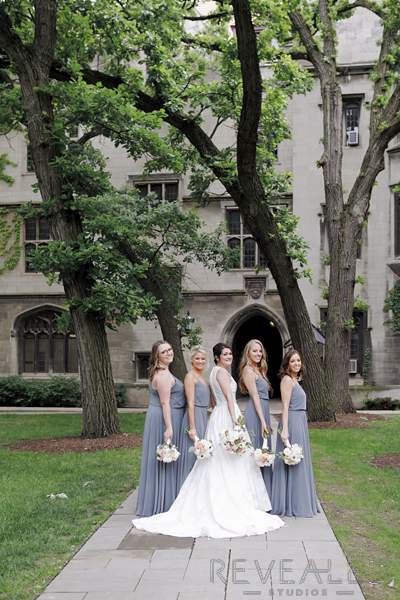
[[384, 403], [54, 391]]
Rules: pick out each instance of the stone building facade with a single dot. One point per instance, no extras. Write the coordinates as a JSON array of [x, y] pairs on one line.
[[243, 302]]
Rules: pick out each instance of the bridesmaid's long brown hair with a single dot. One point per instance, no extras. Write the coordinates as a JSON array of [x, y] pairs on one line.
[[285, 369]]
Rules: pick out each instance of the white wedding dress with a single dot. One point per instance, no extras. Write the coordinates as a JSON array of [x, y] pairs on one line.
[[223, 496]]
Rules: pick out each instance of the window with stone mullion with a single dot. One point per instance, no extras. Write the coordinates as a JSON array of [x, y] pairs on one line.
[[37, 233], [165, 191], [239, 238]]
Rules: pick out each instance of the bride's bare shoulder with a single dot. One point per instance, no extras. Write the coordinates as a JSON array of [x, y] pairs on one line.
[[223, 376]]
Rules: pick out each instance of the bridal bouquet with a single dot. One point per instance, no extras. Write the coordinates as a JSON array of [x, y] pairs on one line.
[[167, 452], [202, 448], [263, 456], [236, 440], [292, 454]]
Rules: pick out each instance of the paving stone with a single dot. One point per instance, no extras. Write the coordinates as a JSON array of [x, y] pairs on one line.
[[142, 540], [326, 591], [147, 590], [85, 554], [326, 578], [119, 521], [281, 549], [86, 565], [321, 549], [125, 564], [211, 553], [128, 507], [348, 592], [95, 581], [109, 596], [250, 590], [151, 594], [175, 554], [206, 563], [106, 539], [162, 576], [211, 545], [297, 531], [252, 541], [203, 594], [62, 596]]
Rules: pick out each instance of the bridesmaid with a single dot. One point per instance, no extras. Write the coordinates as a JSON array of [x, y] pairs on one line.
[[293, 489], [158, 481], [197, 394], [253, 381]]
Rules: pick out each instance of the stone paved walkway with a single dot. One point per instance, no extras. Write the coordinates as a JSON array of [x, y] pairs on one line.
[[301, 560]]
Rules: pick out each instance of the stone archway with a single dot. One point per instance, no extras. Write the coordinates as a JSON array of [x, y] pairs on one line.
[[258, 322]]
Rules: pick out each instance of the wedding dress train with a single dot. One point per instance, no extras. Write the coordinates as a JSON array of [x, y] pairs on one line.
[[224, 495]]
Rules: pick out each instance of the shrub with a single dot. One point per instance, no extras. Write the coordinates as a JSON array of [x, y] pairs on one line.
[[13, 391], [385, 403], [55, 391], [121, 394]]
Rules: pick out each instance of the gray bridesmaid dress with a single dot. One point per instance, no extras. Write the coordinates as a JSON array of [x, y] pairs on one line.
[[201, 404], [293, 489], [158, 481], [254, 426]]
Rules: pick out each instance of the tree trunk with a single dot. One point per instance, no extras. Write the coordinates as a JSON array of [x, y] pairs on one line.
[[343, 252], [343, 236], [171, 333], [99, 405]]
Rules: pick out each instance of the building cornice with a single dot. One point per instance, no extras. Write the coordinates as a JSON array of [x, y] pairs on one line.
[[33, 297]]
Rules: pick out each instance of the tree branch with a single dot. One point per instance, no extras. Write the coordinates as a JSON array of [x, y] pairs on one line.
[[313, 52], [192, 40], [10, 42], [89, 135], [371, 6], [220, 15], [328, 33]]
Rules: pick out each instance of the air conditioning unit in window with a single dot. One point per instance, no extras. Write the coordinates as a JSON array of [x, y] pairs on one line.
[[353, 366], [352, 137]]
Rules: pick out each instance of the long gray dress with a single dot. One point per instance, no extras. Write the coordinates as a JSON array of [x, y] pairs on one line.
[[254, 426], [158, 481], [201, 404], [293, 489]]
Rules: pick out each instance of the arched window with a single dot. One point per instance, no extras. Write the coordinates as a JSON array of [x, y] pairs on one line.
[[42, 348]]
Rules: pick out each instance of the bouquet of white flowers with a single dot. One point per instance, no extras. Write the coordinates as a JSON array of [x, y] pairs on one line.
[[202, 448], [263, 456], [236, 440], [292, 454], [167, 452]]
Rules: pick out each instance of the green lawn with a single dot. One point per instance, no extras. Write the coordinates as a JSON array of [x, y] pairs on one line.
[[362, 501], [37, 536]]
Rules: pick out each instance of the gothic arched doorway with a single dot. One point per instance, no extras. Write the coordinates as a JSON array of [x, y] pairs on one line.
[[259, 326]]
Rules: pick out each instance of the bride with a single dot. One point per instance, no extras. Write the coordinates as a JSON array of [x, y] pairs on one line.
[[224, 495]]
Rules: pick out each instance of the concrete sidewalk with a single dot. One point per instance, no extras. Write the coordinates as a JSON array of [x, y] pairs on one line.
[[301, 560]]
